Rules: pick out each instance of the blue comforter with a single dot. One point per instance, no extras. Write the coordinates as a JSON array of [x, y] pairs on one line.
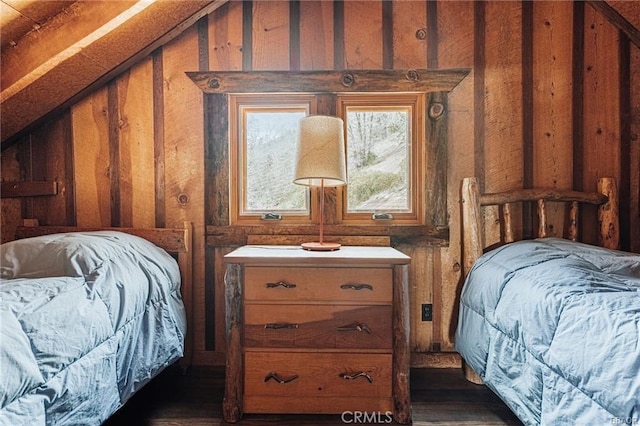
[[553, 327], [86, 319]]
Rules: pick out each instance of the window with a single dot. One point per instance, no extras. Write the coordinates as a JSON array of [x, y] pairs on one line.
[[384, 138], [265, 135]]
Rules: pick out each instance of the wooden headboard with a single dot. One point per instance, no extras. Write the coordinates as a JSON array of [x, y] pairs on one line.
[[473, 235], [473, 238], [176, 241]]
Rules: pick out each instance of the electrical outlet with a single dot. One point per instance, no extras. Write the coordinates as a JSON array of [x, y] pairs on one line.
[[427, 312]]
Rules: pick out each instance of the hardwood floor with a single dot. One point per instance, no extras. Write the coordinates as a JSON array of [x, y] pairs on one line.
[[439, 396]]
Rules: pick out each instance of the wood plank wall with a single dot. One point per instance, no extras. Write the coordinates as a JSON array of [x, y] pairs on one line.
[[551, 100]]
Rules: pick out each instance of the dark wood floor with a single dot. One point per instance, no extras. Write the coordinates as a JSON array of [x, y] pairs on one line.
[[439, 396]]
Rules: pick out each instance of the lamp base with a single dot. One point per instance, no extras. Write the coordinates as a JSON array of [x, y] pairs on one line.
[[321, 246]]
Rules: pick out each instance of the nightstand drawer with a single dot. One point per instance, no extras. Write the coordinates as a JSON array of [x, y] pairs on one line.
[[318, 326], [359, 285], [315, 374]]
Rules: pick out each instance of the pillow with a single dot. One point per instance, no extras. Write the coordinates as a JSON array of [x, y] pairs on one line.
[[72, 254]]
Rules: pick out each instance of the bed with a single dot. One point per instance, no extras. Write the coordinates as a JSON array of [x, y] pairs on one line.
[[551, 325], [88, 317]]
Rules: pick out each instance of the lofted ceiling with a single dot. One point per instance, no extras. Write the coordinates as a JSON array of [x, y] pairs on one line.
[[19, 17], [628, 9], [55, 51]]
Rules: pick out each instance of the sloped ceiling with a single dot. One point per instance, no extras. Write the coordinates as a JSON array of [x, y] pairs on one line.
[[53, 52], [628, 9], [17, 18]]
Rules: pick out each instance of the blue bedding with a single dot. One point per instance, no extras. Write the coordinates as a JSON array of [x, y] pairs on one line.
[[553, 327], [86, 319]]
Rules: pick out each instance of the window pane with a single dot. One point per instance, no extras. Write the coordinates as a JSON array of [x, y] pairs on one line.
[[270, 136], [378, 159]]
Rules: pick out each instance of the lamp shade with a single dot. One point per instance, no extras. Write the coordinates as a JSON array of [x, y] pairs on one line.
[[320, 154]]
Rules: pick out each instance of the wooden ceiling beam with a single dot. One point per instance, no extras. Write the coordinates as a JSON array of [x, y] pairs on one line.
[[115, 40], [55, 37], [617, 19], [414, 80], [21, 17]]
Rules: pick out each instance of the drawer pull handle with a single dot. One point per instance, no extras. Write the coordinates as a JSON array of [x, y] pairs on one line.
[[356, 326], [356, 375], [280, 325], [282, 380], [280, 284], [356, 287]]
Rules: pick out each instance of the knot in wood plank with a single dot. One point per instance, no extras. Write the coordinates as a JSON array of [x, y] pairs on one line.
[[348, 79], [436, 110], [413, 75], [183, 199]]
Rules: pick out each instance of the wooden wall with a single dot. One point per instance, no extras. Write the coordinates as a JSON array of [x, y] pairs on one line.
[[551, 100]]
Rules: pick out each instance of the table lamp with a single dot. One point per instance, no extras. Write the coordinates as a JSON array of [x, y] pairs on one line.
[[320, 162]]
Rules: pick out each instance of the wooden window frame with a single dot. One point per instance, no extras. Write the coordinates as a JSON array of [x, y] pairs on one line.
[[415, 102], [237, 154]]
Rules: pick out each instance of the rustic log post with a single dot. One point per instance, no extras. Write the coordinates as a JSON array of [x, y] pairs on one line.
[[573, 221], [542, 217], [508, 229], [185, 259], [608, 214], [436, 167], [472, 237], [232, 402], [472, 243], [401, 350]]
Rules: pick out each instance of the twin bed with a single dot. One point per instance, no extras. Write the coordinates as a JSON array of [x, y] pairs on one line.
[[552, 325], [88, 317]]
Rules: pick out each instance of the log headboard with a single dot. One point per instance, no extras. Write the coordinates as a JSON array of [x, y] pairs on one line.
[[176, 241], [473, 238], [473, 232]]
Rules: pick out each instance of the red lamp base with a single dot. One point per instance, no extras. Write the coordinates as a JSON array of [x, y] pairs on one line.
[[321, 246]]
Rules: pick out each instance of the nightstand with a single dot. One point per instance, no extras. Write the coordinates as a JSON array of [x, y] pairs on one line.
[[317, 332]]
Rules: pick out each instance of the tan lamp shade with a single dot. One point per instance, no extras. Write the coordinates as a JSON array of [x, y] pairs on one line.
[[321, 155]]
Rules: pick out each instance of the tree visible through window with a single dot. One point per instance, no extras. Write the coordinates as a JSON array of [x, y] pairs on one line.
[[384, 138], [378, 160], [264, 133], [270, 150]]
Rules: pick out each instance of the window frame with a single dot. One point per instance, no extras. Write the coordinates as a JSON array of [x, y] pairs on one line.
[[416, 103], [237, 156]]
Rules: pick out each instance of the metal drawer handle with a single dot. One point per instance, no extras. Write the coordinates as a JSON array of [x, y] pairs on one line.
[[280, 284], [356, 375], [280, 325], [356, 287], [273, 375], [356, 326]]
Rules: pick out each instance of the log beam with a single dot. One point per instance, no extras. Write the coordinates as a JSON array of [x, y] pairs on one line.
[[50, 69], [328, 81]]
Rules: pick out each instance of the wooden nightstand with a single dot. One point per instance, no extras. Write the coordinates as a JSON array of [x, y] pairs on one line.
[[317, 332]]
